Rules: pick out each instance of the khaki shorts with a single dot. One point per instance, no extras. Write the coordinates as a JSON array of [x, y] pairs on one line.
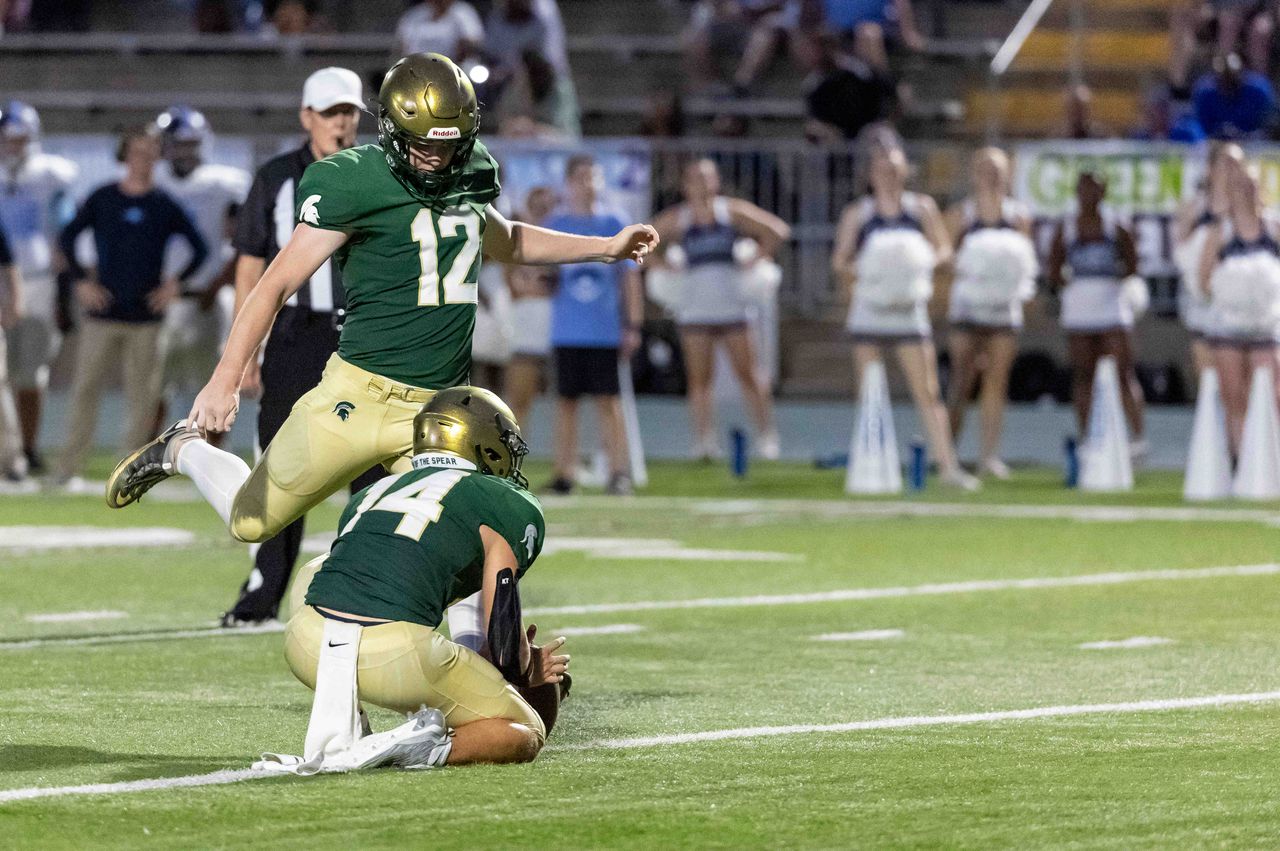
[[404, 666], [350, 421]]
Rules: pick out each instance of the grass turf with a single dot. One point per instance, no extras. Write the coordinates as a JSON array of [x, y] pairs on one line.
[[81, 714]]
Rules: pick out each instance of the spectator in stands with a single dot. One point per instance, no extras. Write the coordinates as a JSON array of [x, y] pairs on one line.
[[125, 297], [715, 39], [1078, 112], [515, 27], [876, 27], [843, 94], [541, 95], [595, 323], [13, 465], [451, 27], [1229, 26], [531, 287], [295, 17], [1232, 102], [665, 118], [1163, 120]]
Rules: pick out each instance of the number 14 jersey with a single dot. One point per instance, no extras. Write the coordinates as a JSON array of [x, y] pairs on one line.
[[409, 267], [409, 545]]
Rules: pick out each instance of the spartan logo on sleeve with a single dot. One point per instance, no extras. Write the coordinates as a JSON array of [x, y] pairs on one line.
[[343, 410], [310, 214], [530, 538]]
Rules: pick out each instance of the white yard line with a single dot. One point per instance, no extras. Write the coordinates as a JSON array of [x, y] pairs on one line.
[[865, 635], [843, 595], [608, 629], [20, 539], [1126, 643], [75, 617], [932, 589], [134, 637], [1213, 700], [830, 508], [218, 778]]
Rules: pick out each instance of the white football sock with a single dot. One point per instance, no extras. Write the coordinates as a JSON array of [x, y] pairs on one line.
[[465, 623], [218, 475]]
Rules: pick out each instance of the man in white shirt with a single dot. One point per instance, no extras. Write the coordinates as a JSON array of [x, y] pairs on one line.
[[34, 205], [450, 27]]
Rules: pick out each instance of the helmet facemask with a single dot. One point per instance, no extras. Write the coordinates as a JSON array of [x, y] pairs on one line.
[[396, 143]]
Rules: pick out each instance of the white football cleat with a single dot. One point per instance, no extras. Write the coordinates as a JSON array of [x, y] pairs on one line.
[[421, 742]]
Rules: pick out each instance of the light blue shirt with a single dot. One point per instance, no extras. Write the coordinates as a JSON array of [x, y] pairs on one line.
[[586, 309]]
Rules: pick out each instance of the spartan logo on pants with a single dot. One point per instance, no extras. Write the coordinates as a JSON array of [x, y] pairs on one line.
[[343, 410]]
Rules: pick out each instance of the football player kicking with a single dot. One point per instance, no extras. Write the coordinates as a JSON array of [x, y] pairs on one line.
[[407, 221], [459, 522]]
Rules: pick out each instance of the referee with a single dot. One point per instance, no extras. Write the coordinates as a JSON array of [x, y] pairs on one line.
[[305, 332]]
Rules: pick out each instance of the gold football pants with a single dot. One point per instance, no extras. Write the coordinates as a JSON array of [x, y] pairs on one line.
[[405, 666], [348, 422]]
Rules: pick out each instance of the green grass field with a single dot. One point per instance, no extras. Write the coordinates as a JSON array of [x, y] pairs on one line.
[[724, 641]]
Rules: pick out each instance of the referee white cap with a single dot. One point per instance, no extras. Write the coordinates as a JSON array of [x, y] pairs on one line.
[[329, 87]]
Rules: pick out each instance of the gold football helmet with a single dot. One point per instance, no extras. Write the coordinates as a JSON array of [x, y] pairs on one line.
[[426, 99], [474, 424]]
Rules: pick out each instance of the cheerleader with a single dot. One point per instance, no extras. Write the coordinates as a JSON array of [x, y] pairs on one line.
[[995, 269], [1240, 271], [887, 246], [1191, 228], [700, 243], [1097, 313]]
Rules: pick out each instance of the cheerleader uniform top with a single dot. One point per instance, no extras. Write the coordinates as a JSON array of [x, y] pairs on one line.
[[877, 321], [964, 311], [711, 291], [1094, 300]]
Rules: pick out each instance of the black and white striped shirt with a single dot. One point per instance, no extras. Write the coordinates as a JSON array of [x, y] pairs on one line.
[[267, 219]]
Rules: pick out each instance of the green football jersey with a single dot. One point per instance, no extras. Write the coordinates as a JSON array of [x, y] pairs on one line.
[[409, 268], [409, 545]]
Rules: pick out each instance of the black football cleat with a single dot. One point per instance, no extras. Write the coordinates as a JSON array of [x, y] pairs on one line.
[[145, 468]]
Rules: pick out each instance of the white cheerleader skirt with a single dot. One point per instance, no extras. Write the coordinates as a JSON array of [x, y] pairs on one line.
[[965, 312], [711, 294], [1094, 305], [531, 326], [878, 323]]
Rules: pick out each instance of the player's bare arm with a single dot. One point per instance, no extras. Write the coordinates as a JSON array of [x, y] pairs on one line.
[[216, 406], [541, 665], [530, 245]]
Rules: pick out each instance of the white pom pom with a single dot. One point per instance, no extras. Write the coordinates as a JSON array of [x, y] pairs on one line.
[[761, 281], [663, 286], [676, 258], [745, 250], [1137, 294], [895, 268], [1245, 292], [996, 267]]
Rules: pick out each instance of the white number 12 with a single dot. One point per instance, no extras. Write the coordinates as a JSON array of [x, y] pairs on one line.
[[456, 288]]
